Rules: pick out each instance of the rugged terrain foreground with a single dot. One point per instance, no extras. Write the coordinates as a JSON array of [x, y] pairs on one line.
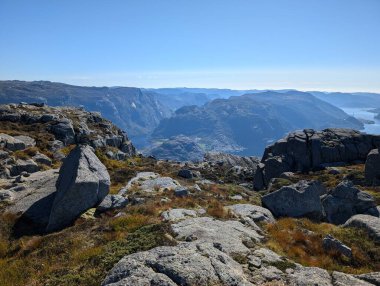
[[79, 206]]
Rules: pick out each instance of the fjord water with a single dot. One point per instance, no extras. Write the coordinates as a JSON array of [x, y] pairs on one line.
[[364, 113]]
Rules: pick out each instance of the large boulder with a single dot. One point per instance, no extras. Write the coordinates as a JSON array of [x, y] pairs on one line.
[[297, 200], [306, 150], [372, 168], [82, 184], [345, 201], [369, 223]]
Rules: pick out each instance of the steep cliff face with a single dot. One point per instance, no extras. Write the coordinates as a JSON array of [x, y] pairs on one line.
[[129, 108]]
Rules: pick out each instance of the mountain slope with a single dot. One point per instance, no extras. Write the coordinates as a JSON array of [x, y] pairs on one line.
[[245, 124], [356, 100], [129, 108]]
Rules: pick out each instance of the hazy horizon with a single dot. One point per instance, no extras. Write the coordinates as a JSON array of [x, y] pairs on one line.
[[292, 44]]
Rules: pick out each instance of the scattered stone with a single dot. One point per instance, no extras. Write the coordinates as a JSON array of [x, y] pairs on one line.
[[112, 202], [369, 223], [345, 201], [297, 200], [82, 184], [332, 244]]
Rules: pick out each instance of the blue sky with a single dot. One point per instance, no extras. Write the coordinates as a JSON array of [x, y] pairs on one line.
[[241, 44]]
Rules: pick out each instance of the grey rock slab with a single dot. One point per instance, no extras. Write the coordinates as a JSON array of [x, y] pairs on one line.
[[343, 279], [373, 278], [82, 184], [184, 264], [178, 214], [267, 255], [310, 276], [228, 236], [256, 213]]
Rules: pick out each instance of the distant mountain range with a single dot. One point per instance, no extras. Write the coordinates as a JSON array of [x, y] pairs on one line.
[[246, 124], [236, 121]]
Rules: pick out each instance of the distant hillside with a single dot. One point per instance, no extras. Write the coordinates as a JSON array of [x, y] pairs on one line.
[[246, 124], [129, 108], [353, 100]]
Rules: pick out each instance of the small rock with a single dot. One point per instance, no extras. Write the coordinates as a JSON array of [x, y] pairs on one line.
[[181, 192], [112, 202], [185, 173], [236, 197], [331, 244]]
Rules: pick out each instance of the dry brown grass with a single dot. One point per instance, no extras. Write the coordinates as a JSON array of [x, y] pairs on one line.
[[301, 241]]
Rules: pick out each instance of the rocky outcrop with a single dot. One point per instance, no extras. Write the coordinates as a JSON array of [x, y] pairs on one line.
[[67, 124], [82, 184], [369, 223], [345, 201], [372, 168], [298, 200], [307, 150]]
